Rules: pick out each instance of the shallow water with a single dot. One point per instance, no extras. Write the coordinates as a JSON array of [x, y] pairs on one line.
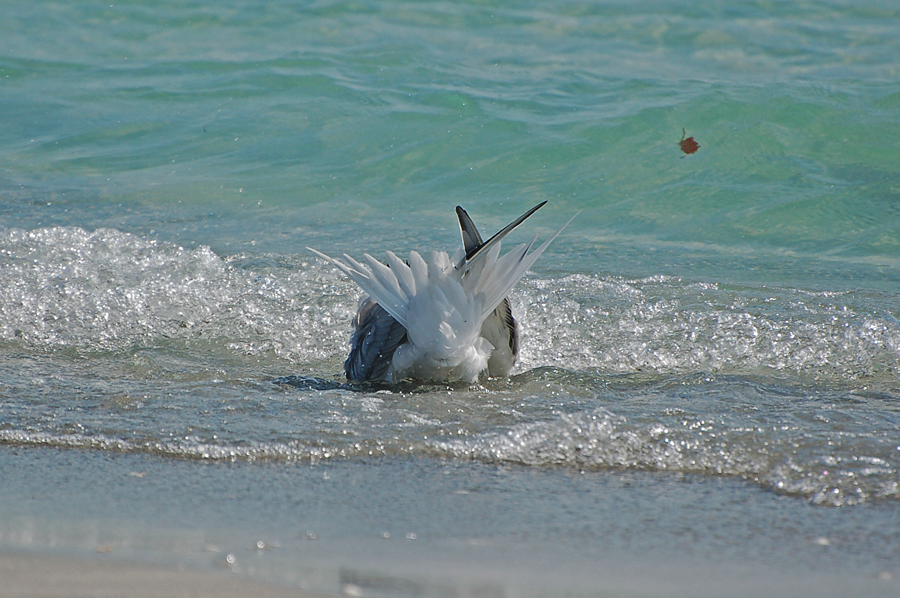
[[712, 345]]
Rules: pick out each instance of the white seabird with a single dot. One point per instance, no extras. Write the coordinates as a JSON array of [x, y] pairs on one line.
[[447, 319]]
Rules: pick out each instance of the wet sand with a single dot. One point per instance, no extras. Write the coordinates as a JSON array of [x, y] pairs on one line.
[[33, 576]]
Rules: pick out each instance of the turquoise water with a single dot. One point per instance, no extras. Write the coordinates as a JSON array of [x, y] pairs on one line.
[[716, 329]]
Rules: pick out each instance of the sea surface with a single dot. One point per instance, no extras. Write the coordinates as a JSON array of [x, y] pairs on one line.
[[707, 401]]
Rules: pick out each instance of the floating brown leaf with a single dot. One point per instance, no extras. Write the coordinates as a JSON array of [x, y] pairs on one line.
[[688, 145]]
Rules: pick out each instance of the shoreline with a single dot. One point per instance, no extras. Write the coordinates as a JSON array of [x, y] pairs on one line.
[[417, 527], [25, 575], [28, 575]]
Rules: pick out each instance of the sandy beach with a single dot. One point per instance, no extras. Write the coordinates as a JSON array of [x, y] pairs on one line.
[[32, 576], [44, 576]]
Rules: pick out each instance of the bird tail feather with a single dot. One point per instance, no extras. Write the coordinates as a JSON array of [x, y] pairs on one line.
[[458, 296]]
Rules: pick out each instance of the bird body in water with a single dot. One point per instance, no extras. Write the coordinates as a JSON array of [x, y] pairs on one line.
[[444, 319]]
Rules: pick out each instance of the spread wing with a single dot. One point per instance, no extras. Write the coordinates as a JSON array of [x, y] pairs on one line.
[[438, 307]]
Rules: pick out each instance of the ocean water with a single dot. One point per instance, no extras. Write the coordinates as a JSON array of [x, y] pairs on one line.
[[707, 401]]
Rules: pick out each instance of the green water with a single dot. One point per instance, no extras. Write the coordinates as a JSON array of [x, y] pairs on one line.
[[712, 347]]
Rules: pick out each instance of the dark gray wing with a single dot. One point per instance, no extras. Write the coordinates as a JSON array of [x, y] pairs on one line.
[[375, 338], [504, 312], [469, 231], [471, 238]]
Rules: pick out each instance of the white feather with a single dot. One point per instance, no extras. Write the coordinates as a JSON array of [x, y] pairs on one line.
[[442, 304]]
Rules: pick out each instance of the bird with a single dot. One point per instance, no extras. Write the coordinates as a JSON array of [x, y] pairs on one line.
[[444, 319]]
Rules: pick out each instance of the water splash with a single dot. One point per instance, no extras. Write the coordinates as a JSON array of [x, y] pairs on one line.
[[664, 325], [65, 288], [791, 389], [831, 463]]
